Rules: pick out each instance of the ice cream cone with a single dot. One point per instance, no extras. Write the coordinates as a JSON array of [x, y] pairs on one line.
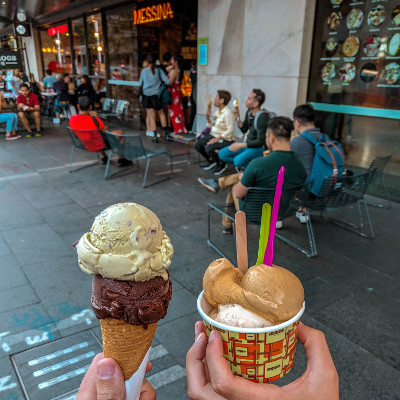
[[125, 343]]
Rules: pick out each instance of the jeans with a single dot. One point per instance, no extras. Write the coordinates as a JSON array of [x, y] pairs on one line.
[[241, 157], [10, 119], [59, 106]]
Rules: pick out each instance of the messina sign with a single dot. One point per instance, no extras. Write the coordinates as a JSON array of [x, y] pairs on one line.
[[153, 13], [10, 59]]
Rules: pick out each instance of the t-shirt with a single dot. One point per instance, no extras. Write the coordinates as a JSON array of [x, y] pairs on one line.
[[49, 81], [150, 82], [87, 131], [263, 172], [31, 101], [304, 149]]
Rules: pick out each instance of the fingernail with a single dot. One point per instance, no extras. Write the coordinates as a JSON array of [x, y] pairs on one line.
[[199, 337], [105, 370], [213, 335]]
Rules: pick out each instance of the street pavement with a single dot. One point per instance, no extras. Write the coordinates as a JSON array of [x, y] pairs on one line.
[[48, 333]]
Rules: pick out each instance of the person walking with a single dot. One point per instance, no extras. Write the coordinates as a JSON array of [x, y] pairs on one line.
[[151, 79], [176, 113]]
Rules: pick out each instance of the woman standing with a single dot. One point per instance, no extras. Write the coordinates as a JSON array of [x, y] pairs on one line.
[[176, 108], [151, 79]]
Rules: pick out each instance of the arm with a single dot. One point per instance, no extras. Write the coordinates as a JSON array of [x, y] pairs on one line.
[[174, 77], [239, 190], [243, 125], [164, 77], [230, 126]]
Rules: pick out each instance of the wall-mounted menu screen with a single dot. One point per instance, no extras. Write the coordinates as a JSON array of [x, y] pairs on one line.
[[356, 53]]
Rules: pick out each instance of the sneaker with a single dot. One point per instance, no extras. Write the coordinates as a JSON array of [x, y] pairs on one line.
[[150, 133], [303, 217], [29, 135], [226, 230], [38, 134], [279, 224], [210, 166], [209, 184], [123, 162], [13, 137], [221, 169]]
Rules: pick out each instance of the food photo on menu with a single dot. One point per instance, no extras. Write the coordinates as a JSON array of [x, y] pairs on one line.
[[328, 72], [355, 18], [396, 15], [368, 72], [376, 16], [390, 74], [393, 45], [331, 46], [372, 45], [336, 2], [351, 46], [347, 72], [333, 20]]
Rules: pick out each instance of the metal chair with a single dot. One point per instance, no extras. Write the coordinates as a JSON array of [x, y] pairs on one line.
[[78, 144], [131, 147], [121, 109], [252, 206], [379, 165], [339, 192]]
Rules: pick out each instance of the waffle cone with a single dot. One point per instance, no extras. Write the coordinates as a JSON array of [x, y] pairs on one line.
[[125, 343]]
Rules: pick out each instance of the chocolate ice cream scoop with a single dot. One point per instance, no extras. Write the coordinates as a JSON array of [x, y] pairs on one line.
[[137, 303]]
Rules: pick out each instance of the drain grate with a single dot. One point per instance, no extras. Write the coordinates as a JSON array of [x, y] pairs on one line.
[[55, 370]]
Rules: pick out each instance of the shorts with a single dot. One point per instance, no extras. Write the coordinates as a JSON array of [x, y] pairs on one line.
[[151, 102]]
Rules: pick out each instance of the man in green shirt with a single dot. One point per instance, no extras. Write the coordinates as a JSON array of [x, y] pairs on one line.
[[263, 171]]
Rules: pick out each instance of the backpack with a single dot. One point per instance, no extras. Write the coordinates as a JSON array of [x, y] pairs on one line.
[[271, 114], [328, 160]]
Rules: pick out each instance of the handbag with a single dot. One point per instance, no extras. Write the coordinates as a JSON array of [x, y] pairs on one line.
[[164, 95]]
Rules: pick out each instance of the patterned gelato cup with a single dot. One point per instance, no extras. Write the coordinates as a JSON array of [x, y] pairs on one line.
[[258, 354]]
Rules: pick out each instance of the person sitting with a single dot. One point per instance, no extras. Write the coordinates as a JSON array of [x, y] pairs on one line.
[[218, 134], [62, 100], [11, 120], [87, 120], [49, 79], [86, 89], [256, 121], [304, 122], [29, 108], [263, 171]]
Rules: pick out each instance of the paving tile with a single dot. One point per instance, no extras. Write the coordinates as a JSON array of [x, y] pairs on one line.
[[371, 321], [13, 298], [11, 389], [11, 273], [4, 249], [182, 303], [22, 215], [46, 197], [35, 243]]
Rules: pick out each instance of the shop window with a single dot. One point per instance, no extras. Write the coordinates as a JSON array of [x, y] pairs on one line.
[[56, 49], [79, 43]]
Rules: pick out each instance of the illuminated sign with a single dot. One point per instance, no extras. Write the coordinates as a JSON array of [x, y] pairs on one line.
[[157, 12], [58, 29]]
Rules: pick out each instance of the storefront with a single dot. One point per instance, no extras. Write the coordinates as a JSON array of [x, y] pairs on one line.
[[354, 78], [111, 43]]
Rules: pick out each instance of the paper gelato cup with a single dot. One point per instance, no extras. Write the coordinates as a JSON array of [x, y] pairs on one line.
[[258, 354]]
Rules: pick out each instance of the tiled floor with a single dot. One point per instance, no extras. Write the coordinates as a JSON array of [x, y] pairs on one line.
[[352, 287]]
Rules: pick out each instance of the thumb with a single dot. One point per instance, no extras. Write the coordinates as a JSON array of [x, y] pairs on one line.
[[110, 381]]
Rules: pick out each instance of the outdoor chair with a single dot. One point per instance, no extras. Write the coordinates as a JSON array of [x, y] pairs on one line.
[[252, 207], [121, 109], [77, 144], [339, 192], [379, 164], [131, 147], [108, 108]]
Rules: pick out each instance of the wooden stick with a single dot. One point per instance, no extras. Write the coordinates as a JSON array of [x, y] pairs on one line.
[[241, 241]]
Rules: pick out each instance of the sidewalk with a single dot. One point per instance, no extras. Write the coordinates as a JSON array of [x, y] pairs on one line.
[[48, 333]]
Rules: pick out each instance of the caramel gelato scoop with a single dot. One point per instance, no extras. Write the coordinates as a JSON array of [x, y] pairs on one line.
[[272, 293]]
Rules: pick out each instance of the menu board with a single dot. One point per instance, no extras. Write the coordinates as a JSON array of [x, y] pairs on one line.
[[356, 53]]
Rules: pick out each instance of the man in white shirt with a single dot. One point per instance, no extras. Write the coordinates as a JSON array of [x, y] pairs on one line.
[[219, 133]]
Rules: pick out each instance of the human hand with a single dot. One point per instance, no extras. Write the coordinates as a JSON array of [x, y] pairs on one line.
[[235, 147], [213, 141], [104, 380], [210, 378], [236, 112]]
